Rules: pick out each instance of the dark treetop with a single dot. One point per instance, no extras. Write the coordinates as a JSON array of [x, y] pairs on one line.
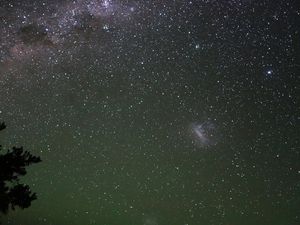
[[12, 166]]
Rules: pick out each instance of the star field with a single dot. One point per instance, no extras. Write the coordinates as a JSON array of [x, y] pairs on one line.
[[154, 112]]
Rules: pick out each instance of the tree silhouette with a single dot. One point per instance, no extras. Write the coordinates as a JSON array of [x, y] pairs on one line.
[[13, 165]]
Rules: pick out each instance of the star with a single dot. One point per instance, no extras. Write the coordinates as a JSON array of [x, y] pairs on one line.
[[269, 72]]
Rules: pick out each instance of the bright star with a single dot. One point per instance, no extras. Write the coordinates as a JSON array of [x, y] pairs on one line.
[[106, 3]]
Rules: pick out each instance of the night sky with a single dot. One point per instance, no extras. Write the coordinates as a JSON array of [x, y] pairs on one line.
[[178, 112]]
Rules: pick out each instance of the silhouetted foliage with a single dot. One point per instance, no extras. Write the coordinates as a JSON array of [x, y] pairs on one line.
[[2, 126], [13, 165]]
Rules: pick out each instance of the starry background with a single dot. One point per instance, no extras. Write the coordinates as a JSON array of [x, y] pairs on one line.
[[109, 93]]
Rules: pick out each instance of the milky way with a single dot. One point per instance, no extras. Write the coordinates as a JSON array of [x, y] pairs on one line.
[[154, 112], [47, 30]]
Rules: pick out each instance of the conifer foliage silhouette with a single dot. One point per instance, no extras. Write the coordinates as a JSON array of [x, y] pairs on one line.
[[13, 165]]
